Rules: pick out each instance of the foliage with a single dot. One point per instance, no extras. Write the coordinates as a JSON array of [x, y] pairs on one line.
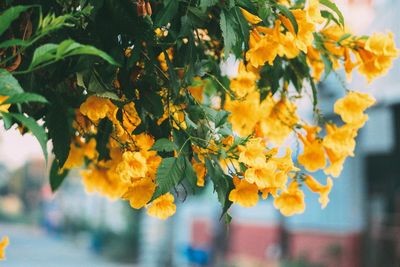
[[135, 92]]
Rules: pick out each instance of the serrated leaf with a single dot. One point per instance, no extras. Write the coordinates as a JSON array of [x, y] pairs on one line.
[[25, 98], [167, 13], [228, 31], [8, 84], [169, 173], [164, 145], [59, 131], [334, 8], [223, 184], [37, 130], [286, 12], [190, 173], [9, 15], [208, 3], [56, 178], [221, 118]]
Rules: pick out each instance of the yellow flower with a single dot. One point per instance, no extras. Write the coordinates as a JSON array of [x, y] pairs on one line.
[[197, 91], [264, 51], [313, 157], [351, 107], [162, 207], [244, 113], [291, 200], [244, 83], [262, 175], [314, 12], [336, 163], [4, 108], [252, 153], [376, 55], [315, 61], [278, 182], [133, 165], [95, 107], [253, 19], [200, 170], [306, 28], [140, 192], [3, 245], [76, 157], [285, 164], [245, 194], [340, 140], [320, 189]]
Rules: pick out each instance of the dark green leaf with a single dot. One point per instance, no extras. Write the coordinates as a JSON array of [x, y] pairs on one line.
[[24, 98], [190, 174], [228, 31], [286, 12], [333, 6], [8, 84], [7, 120], [327, 65], [223, 184], [11, 14], [208, 3], [37, 130], [221, 118], [329, 16], [60, 131], [170, 172], [56, 178], [103, 135], [164, 145], [167, 13], [14, 42]]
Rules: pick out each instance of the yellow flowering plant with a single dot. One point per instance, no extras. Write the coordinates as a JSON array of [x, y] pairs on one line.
[[137, 98]]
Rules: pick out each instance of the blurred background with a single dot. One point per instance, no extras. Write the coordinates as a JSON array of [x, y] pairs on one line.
[[359, 227]]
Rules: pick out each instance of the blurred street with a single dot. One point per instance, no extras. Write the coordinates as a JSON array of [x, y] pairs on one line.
[[32, 246]]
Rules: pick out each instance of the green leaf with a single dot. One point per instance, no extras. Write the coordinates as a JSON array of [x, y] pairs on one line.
[[14, 42], [105, 128], [79, 49], [208, 3], [8, 84], [60, 131], [286, 12], [228, 31], [7, 120], [164, 145], [327, 65], [344, 37], [169, 173], [11, 14], [56, 178], [167, 13], [43, 54], [221, 118], [37, 130], [243, 26], [333, 6], [223, 184], [329, 16], [25, 98], [190, 173]]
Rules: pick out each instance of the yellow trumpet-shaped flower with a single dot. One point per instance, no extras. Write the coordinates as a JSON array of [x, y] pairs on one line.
[[314, 12], [200, 170], [351, 107], [162, 207], [253, 19], [245, 194], [320, 189], [3, 245], [252, 153], [291, 200], [140, 192], [262, 175], [95, 107]]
